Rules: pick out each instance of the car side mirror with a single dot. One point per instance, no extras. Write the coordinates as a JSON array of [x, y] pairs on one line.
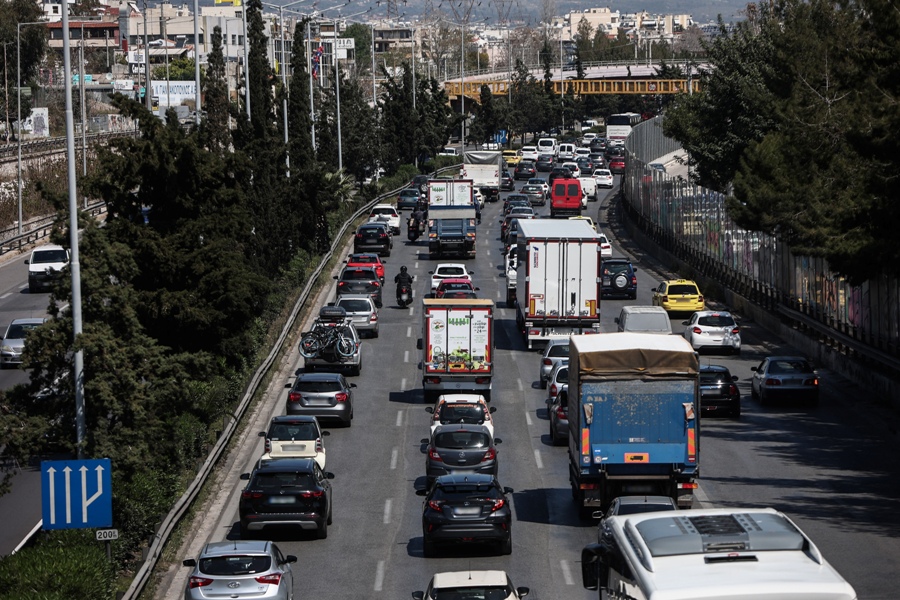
[[429, 410], [508, 490], [734, 377], [634, 269], [685, 322], [419, 344], [493, 409], [245, 476], [477, 289], [754, 368], [328, 475], [616, 320], [418, 595], [290, 558], [334, 277], [27, 262], [421, 492], [523, 591], [498, 441], [353, 385], [423, 441], [261, 434], [189, 562], [431, 272]]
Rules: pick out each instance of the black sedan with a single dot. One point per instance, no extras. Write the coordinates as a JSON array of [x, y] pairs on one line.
[[525, 170], [506, 182], [460, 448], [466, 508], [286, 492], [719, 394]]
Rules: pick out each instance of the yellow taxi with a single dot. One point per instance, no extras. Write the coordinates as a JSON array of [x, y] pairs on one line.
[[589, 220], [512, 157], [678, 295]]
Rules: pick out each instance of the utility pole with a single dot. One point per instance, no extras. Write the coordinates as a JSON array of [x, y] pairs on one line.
[[146, 61], [197, 62]]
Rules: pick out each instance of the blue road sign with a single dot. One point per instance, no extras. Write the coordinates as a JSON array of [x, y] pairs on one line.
[[76, 494], [500, 136]]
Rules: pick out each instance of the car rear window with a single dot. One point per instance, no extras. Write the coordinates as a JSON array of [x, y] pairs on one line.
[[455, 286], [464, 492], [574, 189], [614, 268], [287, 479], [364, 258], [355, 305], [358, 275], [716, 321], [317, 387], [371, 229], [449, 413], [472, 593], [710, 378], [293, 431], [558, 350], [383, 211], [461, 439], [682, 288], [789, 366], [647, 322], [234, 565], [451, 272], [532, 189]]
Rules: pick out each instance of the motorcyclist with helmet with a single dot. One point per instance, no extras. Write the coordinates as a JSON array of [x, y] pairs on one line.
[[403, 279]]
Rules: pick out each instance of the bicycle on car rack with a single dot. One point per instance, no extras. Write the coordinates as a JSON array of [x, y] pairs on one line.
[[325, 336]]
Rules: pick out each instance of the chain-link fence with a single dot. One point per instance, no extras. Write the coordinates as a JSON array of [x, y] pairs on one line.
[[692, 223]]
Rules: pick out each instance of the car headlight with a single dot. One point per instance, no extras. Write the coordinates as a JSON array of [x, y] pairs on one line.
[[6, 348]]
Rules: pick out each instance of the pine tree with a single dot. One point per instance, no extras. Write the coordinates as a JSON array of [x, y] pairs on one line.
[[215, 130]]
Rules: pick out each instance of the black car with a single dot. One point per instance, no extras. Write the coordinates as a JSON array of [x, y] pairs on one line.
[[462, 448], [286, 492], [544, 163], [373, 237], [719, 394], [559, 173], [617, 278], [420, 182], [506, 182], [586, 165], [514, 200], [466, 508], [535, 194], [525, 170], [360, 280]]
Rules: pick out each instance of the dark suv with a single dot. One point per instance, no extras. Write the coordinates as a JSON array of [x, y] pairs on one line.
[[286, 492], [360, 280], [618, 278], [373, 237]]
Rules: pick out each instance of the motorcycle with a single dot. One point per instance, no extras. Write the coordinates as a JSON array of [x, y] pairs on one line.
[[404, 296], [413, 229]]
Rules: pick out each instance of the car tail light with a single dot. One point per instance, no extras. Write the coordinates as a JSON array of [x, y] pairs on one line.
[[773, 382], [732, 389], [376, 284], [433, 380], [665, 298], [359, 236], [251, 495], [319, 446], [561, 413], [553, 391], [373, 318], [491, 454], [312, 494], [268, 447], [195, 582], [436, 505], [534, 332], [633, 280], [498, 504], [433, 455], [294, 396], [814, 381], [482, 380], [699, 298], [736, 330], [341, 396], [341, 283], [547, 361], [271, 578], [697, 330]]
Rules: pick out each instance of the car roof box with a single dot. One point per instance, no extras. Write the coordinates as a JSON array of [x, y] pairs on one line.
[[332, 313]]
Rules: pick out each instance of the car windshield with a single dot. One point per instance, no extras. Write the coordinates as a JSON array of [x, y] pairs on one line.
[[460, 413], [715, 377], [789, 366], [558, 350], [472, 593], [17, 331], [647, 322], [355, 305], [49, 256], [716, 321], [358, 275], [315, 387], [293, 431], [451, 271], [462, 439], [681, 288], [287, 479], [234, 565]]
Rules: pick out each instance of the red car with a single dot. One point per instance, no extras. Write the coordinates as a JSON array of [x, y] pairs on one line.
[[449, 288], [367, 260], [617, 164]]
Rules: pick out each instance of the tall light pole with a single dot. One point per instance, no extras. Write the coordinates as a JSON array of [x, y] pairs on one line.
[[197, 63], [246, 61], [146, 61], [19, 115], [74, 263], [562, 94]]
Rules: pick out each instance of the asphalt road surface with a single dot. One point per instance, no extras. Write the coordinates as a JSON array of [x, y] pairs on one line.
[[830, 468]]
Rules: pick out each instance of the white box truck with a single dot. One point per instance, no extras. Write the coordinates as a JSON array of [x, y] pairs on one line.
[[457, 346], [557, 279], [450, 192], [484, 169]]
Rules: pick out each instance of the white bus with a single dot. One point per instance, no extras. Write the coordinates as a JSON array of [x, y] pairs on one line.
[[721, 554], [618, 127]]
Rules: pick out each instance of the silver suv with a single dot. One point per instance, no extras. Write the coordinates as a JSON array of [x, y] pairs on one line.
[[644, 319], [555, 352], [361, 311]]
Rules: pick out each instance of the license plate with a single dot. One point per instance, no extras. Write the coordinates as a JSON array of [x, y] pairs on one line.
[[294, 447], [467, 511], [282, 500]]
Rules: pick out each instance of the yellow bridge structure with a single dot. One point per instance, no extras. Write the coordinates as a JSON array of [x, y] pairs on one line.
[[472, 88]]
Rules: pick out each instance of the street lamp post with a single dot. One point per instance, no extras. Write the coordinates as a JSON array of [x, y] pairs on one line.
[[19, 116], [146, 61], [197, 63], [246, 62]]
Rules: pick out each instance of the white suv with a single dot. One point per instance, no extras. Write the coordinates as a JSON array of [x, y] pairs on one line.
[[386, 212], [448, 270], [45, 265]]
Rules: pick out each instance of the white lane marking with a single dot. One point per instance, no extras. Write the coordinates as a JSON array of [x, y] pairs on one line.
[[409, 331], [410, 313], [702, 498], [403, 384], [379, 576], [394, 454], [499, 295], [488, 252], [538, 459], [406, 356], [519, 383], [416, 265], [6, 295], [387, 511], [567, 572], [528, 419], [399, 418]]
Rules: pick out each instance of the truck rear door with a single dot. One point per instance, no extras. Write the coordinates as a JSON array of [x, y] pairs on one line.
[[562, 279]]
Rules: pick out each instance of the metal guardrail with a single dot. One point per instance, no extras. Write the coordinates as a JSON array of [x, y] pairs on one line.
[[181, 506], [37, 230], [11, 151]]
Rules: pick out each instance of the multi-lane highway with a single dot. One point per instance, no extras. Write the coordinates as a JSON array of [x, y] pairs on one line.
[[830, 468]]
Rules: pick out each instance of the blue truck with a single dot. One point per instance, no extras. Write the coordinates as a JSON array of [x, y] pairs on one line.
[[633, 415]]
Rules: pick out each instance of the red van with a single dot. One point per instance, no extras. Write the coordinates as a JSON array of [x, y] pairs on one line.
[[565, 198]]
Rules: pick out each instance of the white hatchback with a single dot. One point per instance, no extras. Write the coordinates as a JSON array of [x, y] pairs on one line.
[[713, 329], [386, 212], [573, 167], [603, 177], [530, 153], [605, 246], [471, 584], [462, 408], [448, 270]]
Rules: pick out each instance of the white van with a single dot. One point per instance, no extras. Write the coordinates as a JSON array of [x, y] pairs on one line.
[[721, 553], [589, 187], [547, 146], [566, 152], [45, 265], [644, 319]]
